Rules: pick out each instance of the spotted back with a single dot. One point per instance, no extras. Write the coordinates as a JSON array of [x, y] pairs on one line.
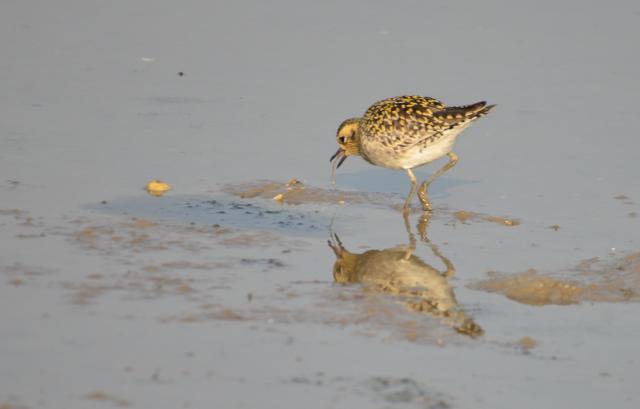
[[407, 120]]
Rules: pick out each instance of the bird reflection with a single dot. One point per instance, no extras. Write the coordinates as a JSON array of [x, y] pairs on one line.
[[399, 272]]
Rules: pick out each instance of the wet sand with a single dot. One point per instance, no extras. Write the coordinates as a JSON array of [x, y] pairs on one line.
[[254, 282]]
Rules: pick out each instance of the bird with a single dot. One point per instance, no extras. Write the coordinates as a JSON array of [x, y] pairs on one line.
[[406, 132]]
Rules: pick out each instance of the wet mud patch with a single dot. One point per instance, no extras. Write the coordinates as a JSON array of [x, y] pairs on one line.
[[132, 286], [131, 258], [590, 281], [140, 235], [83, 293], [162, 259], [207, 313], [101, 396], [465, 217], [185, 265], [21, 218], [295, 192], [526, 344], [18, 275], [134, 235], [220, 210]]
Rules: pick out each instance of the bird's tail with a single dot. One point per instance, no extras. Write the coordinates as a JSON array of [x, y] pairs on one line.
[[464, 113]]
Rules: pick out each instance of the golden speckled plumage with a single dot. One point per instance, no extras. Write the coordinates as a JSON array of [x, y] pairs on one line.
[[406, 132], [401, 119]]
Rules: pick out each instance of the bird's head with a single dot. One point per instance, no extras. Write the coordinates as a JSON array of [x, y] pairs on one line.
[[348, 138]]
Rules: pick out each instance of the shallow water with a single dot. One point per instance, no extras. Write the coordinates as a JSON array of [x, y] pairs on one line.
[[217, 295]]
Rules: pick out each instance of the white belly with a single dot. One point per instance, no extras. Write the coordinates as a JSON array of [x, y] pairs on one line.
[[419, 156], [410, 158]]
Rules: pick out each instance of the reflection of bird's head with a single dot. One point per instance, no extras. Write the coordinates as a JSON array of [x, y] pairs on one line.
[[343, 271], [344, 267]]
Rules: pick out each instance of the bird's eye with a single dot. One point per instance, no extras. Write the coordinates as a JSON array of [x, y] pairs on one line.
[[342, 139]]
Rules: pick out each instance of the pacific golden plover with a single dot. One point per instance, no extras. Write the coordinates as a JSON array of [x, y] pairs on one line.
[[406, 132]]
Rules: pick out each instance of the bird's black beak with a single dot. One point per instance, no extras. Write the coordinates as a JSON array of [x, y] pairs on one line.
[[339, 156], [335, 154]]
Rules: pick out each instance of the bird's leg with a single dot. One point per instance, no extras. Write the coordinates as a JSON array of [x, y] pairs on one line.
[[422, 193], [414, 187]]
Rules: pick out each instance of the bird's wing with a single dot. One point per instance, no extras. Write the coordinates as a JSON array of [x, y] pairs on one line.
[[405, 117]]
